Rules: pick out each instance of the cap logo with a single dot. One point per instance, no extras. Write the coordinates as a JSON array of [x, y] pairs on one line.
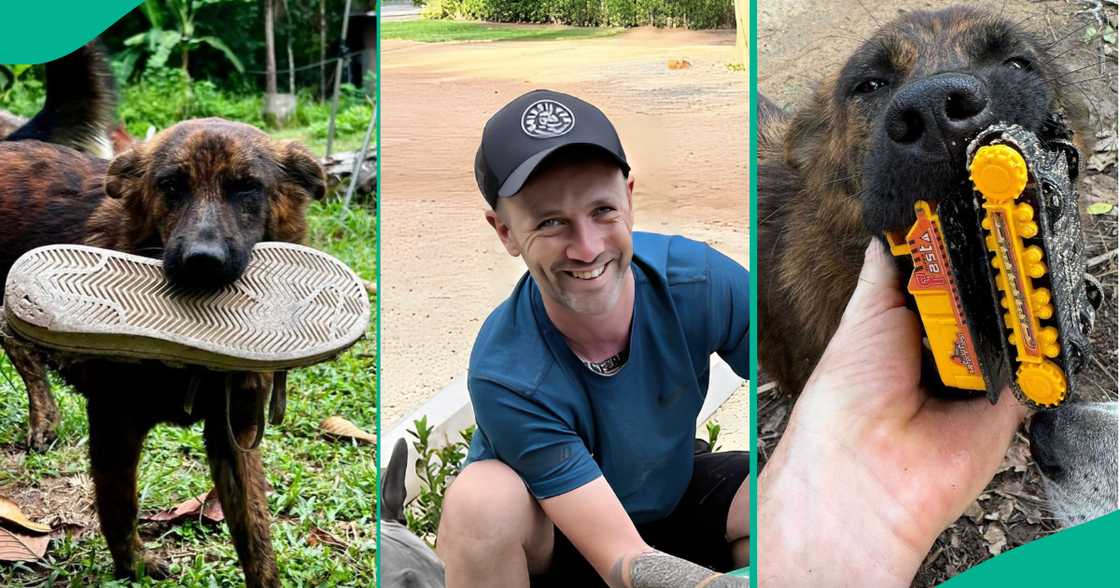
[[547, 118]]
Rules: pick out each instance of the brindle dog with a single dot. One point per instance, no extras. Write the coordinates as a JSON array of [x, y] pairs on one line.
[[80, 104], [199, 195], [889, 128]]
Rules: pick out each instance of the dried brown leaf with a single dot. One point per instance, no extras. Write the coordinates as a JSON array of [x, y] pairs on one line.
[[1005, 510], [205, 506], [974, 512], [1101, 161], [1018, 458], [340, 428], [16, 546], [996, 539], [11, 515], [318, 536]]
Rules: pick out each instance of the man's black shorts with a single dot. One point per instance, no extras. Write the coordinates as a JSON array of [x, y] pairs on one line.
[[695, 531]]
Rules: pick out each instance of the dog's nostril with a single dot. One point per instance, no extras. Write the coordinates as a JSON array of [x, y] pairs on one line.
[[964, 105], [202, 259], [905, 127]]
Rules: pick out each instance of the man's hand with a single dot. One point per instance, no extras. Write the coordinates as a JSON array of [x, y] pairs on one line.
[[870, 468], [593, 519]]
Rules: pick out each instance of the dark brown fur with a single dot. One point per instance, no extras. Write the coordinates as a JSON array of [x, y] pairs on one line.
[[815, 204], [258, 190]]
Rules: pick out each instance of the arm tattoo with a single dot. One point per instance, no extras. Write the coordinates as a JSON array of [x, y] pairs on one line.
[[654, 569]]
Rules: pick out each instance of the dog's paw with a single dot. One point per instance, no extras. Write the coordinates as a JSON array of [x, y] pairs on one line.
[[156, 568], [148, 565], [40, 437]]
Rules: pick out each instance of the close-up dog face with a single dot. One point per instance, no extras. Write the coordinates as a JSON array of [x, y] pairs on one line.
[[209, 190], [904, 107]]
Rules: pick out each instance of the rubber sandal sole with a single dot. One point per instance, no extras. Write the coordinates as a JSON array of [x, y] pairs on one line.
[[292, 307]]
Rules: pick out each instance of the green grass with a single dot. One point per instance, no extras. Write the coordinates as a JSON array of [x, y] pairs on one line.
[[163, 97], [317, 483], [440, 31]]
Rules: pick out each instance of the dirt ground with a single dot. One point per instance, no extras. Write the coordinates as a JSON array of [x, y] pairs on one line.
[[1012, 510], [442, 268]]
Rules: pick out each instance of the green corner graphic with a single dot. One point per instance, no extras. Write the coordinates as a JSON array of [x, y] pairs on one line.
[[35, 32], [1080, 556]]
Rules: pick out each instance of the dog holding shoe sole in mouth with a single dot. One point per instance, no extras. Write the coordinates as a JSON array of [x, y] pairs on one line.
[[199, 196]]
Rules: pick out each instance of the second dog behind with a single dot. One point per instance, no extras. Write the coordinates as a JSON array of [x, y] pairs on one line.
[[406, 561]]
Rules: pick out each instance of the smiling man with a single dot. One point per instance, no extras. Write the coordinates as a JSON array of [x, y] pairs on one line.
[[587, 382]]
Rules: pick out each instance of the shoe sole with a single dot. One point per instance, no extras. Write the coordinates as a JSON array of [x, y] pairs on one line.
[[293, 306]]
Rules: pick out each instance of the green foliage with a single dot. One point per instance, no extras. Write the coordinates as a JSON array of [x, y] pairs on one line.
[[713, 434], [354, 112], [436, 469], [164, 96], [441, 31], [158, 42], [20, 91], [694, 14]]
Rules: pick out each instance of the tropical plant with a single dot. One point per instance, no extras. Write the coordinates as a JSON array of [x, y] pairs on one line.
[[436, 469], [172, 29]]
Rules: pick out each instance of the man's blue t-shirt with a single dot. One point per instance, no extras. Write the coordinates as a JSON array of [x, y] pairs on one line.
[[559, 425]]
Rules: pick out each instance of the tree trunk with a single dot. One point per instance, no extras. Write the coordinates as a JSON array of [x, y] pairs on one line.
[[270, 50], [291, 58], [322, 50], [742, 30]]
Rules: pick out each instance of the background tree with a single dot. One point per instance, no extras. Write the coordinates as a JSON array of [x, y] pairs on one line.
[[173, 28]]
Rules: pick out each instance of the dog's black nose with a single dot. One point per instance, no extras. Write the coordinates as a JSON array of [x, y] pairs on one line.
[[203, 264], [204, 258], [936, 116]]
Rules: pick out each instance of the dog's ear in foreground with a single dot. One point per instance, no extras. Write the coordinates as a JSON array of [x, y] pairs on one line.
[[406, 561]]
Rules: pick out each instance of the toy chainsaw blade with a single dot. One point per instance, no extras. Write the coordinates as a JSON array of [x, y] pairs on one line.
[[999, 273]]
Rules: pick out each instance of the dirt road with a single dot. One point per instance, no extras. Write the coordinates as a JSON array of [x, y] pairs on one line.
[[442, 268], [800, 42]]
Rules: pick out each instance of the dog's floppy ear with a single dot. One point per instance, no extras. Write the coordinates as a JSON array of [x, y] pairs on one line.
[[125, 173], [392, 484], [302, 171]]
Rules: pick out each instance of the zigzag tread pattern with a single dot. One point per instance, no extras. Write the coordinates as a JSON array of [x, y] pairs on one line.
[[291, 301]]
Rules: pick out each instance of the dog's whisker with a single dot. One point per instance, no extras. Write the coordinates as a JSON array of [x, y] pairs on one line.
[[1069, 34], [1068, 73], [1075, 82], [1054, 56]]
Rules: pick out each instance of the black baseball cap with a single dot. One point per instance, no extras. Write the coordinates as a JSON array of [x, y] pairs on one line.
[[525, 132]]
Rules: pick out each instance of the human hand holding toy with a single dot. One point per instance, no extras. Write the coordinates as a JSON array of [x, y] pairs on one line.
[[871, 468]]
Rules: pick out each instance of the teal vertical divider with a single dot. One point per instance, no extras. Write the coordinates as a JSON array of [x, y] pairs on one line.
[[1085, 555], [34, 32], [752, 139], [377, 322]]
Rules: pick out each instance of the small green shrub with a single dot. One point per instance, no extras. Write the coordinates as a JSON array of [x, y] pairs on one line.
[[436, 469], [164, 96], [713, 434], [21, 90]]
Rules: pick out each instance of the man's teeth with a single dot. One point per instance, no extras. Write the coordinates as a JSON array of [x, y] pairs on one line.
[[591, 275]]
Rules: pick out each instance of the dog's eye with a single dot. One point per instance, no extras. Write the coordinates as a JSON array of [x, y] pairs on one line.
[[1018, 63], [243, 186], [169, 185], [869, 86]]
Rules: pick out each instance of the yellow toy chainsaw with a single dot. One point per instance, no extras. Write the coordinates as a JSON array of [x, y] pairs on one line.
[[999, 273]]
